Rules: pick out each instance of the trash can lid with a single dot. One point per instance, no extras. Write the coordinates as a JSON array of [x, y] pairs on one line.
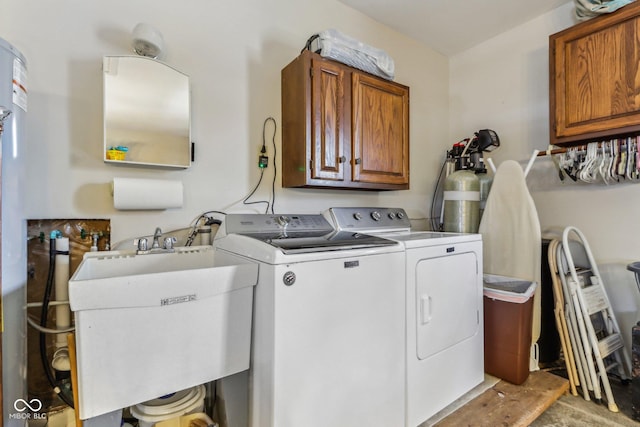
[[634, 266], [509, 289]]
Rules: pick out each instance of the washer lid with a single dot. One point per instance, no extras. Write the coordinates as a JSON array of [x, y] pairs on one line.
[[418, 239], [338, 240]]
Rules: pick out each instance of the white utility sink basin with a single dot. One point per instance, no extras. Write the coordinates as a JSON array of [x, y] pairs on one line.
[[149, 325]]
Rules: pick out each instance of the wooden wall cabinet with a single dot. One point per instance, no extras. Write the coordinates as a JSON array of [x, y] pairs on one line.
[[342, 127], [594, 87]]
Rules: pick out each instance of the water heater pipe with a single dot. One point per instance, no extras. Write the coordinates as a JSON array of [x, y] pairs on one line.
[[61, 281]]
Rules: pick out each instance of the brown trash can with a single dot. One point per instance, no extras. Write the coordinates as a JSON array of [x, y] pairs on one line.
[[508, 317]]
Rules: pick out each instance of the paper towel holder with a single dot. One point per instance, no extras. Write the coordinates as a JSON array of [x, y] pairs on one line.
[[146, 194]]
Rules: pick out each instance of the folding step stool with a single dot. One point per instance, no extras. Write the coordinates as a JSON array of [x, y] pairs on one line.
[[599, 330]]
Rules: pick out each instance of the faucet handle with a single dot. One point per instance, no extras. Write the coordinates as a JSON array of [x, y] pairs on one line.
[[143, 244], [169, 242]]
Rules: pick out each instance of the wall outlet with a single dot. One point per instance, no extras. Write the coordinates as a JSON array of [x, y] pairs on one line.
[[263, 162]]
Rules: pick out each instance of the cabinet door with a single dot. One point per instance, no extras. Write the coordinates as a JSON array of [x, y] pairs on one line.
[[328, 121], [595, 78], [343, 128], [380, 138]]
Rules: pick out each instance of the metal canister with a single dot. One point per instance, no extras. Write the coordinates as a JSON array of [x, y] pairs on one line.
[[485, 186], [204, 234], [462, 202]]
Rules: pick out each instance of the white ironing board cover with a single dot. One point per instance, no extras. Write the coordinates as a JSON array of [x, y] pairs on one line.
[[511, 234]]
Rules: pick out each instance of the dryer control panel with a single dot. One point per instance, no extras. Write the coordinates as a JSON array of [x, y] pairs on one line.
[[369, 219]]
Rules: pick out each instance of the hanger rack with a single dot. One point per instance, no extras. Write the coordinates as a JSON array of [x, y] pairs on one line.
[[613, 161], [583, 147], [557, 151]]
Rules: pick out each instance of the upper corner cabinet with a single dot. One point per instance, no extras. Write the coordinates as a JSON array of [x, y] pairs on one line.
[[594, 84], [342, 127], [147, 113]]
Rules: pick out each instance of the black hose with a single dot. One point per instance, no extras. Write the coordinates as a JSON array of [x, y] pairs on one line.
[[43, 322], [435, 215]]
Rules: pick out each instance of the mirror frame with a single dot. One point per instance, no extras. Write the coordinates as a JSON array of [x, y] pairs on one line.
[[140, 113]]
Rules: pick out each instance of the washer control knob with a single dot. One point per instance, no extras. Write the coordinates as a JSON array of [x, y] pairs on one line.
[[375, 215], [392, 215], [400, 215], [357, 216]]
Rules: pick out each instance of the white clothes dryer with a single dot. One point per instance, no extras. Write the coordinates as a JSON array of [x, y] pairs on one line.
[[444, 307]]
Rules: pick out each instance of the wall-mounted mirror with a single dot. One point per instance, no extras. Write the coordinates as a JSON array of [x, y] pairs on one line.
[[147, 117]]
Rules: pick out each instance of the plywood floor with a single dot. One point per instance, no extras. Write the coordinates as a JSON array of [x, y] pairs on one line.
[[506, 404]]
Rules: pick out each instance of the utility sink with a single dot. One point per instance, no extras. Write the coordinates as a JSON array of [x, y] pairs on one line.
[[150, 325]]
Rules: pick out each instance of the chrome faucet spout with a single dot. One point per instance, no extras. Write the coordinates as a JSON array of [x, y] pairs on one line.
[[156, 238], [167, 245]]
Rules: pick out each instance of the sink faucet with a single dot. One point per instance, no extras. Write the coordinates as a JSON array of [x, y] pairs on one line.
[[156, 248], [156, 238]]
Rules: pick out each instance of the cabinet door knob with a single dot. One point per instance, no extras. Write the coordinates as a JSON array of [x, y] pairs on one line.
[[358, 161], [342, 159]]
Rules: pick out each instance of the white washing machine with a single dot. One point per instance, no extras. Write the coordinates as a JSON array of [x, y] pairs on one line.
[[445, 333], [329, 322]]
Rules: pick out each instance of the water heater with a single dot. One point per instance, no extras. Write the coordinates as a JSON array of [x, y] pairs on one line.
[[13, 103]]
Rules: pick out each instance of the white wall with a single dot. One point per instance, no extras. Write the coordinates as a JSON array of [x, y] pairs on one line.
[[234, 52], [503, 84]]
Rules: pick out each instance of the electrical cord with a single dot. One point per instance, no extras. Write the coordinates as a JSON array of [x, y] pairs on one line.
[[307, 45], [245, 202], [272, 198], [435, 223], [275, 170]]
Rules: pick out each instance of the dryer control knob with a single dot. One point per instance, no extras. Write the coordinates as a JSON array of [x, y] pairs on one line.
[[357, 216], [375, 215]]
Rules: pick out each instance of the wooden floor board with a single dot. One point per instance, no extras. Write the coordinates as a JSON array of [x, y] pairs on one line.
[[506, 404]]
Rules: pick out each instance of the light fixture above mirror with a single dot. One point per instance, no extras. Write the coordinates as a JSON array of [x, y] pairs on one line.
[[147, 41]]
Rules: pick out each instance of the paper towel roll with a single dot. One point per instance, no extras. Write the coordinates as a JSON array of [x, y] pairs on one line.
[[146, 194]]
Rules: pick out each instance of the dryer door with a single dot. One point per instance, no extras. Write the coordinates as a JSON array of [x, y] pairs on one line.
[[447, 309]]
